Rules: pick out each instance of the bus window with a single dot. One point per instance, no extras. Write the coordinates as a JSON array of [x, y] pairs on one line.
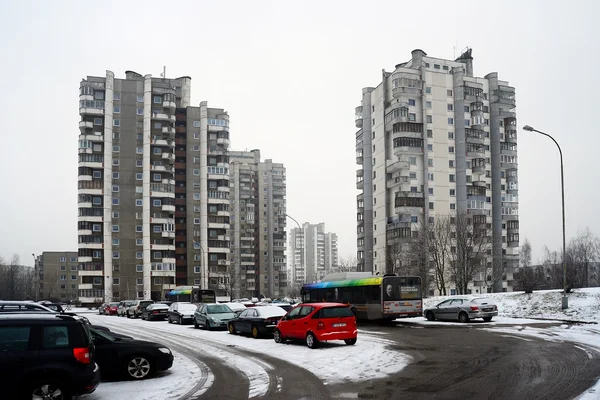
[[373, 294]]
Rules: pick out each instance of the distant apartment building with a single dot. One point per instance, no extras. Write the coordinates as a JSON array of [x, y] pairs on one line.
[[434, 140], [312, 253], [57, 275], [258, 221], [153, 186]]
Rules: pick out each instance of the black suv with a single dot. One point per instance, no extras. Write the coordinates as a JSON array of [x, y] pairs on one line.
[[46, 355]]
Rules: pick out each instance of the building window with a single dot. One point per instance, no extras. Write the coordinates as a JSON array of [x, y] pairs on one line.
[[115, 201], [428, 104], [139, 281], [429, 133], [429, 119], [196, 124], [412, 117], [115, 175], [452, 178], [116, 254], [412, 160], [451, 163], [156, 177], [411, 102], [196, 172], [428, 90], [96, 227], [157, 99], [97, 174], [449, 93], [116, 109], [139, 163], [63, 267], [196, 270], [139, 228], [115, 214], [467, 122], [139, 255], [453, 206], [97, 121], [115, 162], [139, 150], [115, 242], [139, 202], [115, 188], [116, 122], [139, 176], [436, 66], [115, 228], [429, 147], [430, 191], [430, 176], [452, 192], [139, 268], [450, 121], [139, 242], [140, 98], [431, 205], [445, 67], [140, 111], [450, 107], [450, 135], [430, 162], [157, 228], [156, 203], [413, 175], [116, 281], [450, 149]]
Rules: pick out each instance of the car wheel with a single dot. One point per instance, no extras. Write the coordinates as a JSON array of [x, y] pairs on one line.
[[231, 329], [196, 326], [138, 367], [169, 319], [311, 341], [277, 336], [207, 325], [350, 342], [48, 389], [487, 319], [255, 332], [463, 317], [430, 316]]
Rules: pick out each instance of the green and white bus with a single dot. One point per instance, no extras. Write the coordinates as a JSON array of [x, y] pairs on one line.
[[371, 297]]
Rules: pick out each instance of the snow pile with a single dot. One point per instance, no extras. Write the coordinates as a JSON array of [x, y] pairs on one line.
[[584, 304]]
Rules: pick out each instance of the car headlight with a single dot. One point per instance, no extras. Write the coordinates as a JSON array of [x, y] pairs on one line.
[[164, 350]]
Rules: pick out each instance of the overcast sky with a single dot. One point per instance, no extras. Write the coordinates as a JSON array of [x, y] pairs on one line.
[[290, 75]]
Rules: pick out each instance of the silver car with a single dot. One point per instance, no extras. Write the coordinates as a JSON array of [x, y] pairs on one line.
[[462, 309], [212, 316]]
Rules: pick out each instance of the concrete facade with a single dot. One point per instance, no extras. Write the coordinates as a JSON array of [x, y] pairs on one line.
[[313, 253], [434, 140], [57, 275], [258, 237]]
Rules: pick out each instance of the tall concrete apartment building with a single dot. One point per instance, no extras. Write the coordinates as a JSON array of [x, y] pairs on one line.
[[313, 253], [434, 140], [56, 275], [258, 221], [153, 185]]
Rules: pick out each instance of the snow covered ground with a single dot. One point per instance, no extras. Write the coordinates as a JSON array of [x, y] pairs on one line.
[[369, 352], [584, 304], [170, 384]]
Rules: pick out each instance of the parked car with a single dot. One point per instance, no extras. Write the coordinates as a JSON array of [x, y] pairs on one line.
[[131, 359], [463, 309], [212, 315], [53, 306], [256, 321], [138, 306], [22, 307], [123, 307], [106, 330], [155, 311], [318, 322], [102, 308], [237, 308], [112, 308], [34, 344], [181, 312]]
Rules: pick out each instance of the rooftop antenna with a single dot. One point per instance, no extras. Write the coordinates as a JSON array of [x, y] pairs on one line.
[[164, 73]]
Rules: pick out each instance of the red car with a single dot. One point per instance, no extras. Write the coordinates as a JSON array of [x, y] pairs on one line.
[[317, 322], [112, 308]]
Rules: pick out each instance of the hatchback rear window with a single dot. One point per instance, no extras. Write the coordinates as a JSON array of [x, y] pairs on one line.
[[14, 338], [334, 312]]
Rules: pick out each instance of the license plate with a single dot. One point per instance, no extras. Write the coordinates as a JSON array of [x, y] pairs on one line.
[[339, 325], [487, 309]]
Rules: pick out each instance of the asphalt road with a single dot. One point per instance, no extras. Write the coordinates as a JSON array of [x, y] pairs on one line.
[[449, 362]]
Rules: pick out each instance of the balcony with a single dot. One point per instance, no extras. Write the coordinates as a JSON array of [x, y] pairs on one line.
[[91, 245], [476, 136], [84, 259], [218, 225], [224, 238], [91, 111], [88, 190], [162, 247], [168, 260], [168, 208], [475, 150], [223, 141], [512, 175], [509, 149], [90, 273], [510, 134], [408, 145], [167, 181], [397, 181], [224, 189], [163, 117], [223, 213], [84, 232], [358, 122], [168, 131], [92, 137], [402, 92], [358, 116], [84, 204], [170, 105], [84, 125], [481, 183], [89, 218], [360, 184], [409, 202], [162, 190], [359, 172], [223, 262], [506, 95], [163, 143], [473, 92], [170, 157], [167, 234]]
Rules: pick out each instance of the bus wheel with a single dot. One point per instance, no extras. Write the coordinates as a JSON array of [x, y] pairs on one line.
[[430, 316]]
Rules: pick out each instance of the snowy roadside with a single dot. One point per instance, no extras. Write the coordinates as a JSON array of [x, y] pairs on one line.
[[170, 384], [333, 362], [422, 321], [584, 304]]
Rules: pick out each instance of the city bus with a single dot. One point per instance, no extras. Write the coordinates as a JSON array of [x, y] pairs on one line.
[[371, 297], [192, 294]]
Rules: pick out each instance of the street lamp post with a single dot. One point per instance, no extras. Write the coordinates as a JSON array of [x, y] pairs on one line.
[[565, 299], [302, 252]]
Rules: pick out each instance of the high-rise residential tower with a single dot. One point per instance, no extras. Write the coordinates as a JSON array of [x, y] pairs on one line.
[[153, 188], [258, 218], [313, 253], [435, 140]]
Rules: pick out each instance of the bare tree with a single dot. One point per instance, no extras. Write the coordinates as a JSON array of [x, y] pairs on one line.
[[346, 264], [526, 279], [525, 254], [469, 251], [584, 253], [431, 250], [50, 283]]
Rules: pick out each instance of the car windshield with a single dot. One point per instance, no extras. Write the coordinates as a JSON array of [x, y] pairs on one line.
[[114, 304], [218, 309], [187, 307], [145, 303], [333, 312], [97, 332]]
